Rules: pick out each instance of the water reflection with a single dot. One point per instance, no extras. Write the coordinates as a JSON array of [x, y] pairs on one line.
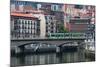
[[49, 58]]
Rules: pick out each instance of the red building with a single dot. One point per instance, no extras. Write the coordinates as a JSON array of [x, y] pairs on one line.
[[78, 25]]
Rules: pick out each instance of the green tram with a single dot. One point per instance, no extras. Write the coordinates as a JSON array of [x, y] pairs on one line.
[[66, 35]]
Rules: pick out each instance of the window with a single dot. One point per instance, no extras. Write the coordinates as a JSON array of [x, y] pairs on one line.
[[78, 6], [38, 6], [34, 22], [54, 7], [46, 30], [60, 7], [34, 5], [46, 22], [52, 27], [38, 23], [28, 22], [51, 31], [46, 17], [25, 22], [22, 22], [51, 18], [31, 22], [15, 21]]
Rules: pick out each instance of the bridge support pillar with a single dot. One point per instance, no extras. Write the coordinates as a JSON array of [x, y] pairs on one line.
[[17, 50], [58, 49], [59, 52], [81, 45]]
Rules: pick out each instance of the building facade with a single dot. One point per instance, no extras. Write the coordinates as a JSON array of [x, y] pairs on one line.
[[42, 19], [79, 25], [24, 26], [50, 24]]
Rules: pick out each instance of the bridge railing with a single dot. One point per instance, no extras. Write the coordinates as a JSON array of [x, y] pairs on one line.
[[67, 35]]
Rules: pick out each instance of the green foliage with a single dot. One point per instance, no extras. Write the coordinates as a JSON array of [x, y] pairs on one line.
[[62, 29]]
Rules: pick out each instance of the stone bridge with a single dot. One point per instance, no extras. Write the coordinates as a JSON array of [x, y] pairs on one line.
[[19, 45], [15, 43]]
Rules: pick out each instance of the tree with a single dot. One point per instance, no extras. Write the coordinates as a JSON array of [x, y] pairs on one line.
[[62, 29]]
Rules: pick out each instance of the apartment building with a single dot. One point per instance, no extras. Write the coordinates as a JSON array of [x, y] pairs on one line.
[[50, 24], [24, 26]]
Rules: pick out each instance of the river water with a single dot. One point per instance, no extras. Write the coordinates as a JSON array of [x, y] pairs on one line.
[[50, 58]]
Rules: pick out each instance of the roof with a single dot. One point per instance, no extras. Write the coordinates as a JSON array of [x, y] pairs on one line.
[[22, 15]]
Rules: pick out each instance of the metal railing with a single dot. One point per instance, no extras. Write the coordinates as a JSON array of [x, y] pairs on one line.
[[67, 36]]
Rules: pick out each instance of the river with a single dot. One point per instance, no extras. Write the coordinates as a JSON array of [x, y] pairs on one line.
[[50, 58]]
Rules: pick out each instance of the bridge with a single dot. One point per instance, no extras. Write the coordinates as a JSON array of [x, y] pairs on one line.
[[57, 39]]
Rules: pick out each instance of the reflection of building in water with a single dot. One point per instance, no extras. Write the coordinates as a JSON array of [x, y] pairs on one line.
[[49, 58]]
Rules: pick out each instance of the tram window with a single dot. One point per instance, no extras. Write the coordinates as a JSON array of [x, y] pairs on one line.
[[66, 35]]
